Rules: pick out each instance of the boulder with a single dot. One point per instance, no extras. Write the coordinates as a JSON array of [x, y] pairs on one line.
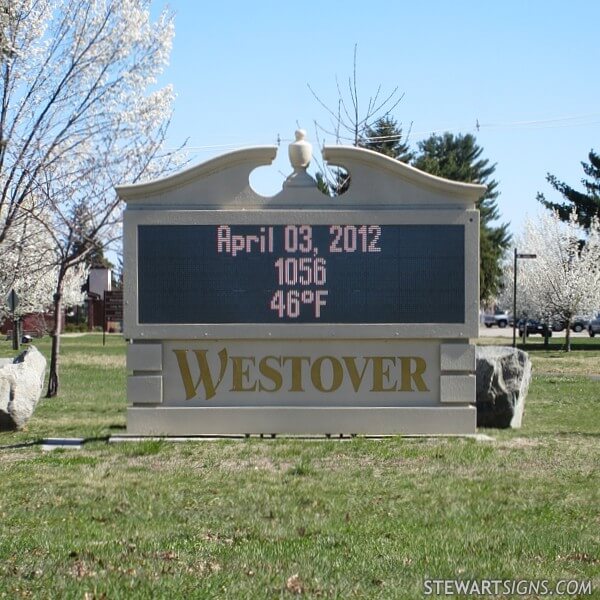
[[21, 384], [503, 376]]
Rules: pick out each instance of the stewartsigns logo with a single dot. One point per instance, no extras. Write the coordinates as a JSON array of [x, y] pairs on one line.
[[203, 374]]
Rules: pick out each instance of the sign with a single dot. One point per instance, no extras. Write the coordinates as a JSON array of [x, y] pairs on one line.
[[301, 273], [113, 305], [248, 373], [12, 300], [301, 313]]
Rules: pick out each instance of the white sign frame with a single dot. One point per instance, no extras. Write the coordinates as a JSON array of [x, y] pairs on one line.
[[469, 219], [383, 191]]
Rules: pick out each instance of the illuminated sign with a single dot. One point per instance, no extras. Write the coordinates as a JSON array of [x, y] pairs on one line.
[[301, 313], [336, 273]]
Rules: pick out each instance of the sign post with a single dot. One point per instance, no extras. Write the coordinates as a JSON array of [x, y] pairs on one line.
[[104, 318], [301, 313], [517, 256], [13, 302]]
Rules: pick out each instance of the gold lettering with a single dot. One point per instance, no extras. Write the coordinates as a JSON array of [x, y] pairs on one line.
[[205, 377], [296, 371], [409, 375], [380, 373], [241, 375], [270, 373], [316, 374], [355, 377]]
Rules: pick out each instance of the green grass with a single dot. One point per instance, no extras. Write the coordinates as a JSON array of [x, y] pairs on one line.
[[254, 518]]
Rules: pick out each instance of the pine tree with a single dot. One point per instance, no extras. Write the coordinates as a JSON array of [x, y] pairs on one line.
[[386, 137], [84, 238], [335, 184], [587, 203], [459, 158]]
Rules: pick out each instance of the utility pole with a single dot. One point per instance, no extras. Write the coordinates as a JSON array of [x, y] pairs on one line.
[[13, 302], [517, 256]]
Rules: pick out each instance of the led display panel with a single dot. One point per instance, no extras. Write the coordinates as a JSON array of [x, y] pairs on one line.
[[336, 273]]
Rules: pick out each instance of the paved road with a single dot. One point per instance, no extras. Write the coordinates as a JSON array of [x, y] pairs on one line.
[[508, 333]]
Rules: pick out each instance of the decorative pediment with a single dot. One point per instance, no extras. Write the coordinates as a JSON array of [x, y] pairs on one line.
[[376, 180]]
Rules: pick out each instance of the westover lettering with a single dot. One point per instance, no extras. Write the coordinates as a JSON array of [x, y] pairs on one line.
[[202, 378]]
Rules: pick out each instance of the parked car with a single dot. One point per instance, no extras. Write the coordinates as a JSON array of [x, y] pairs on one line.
[[499, 318], [594, 326], [577, 324], [534, 327]]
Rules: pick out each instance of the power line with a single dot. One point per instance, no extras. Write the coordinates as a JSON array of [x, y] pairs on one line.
[[552, 123], [544, 121]]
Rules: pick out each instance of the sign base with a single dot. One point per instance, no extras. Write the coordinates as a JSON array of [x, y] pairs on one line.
[[178, 421]]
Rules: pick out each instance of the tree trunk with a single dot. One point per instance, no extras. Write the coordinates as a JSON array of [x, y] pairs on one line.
[[55, 352], [568, 336], [546, 332]]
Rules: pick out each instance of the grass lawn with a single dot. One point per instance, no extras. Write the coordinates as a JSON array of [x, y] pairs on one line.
[[361, 518]]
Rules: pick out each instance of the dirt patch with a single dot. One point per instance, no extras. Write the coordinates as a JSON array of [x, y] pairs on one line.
[[519, 442], [261, 463], [8, 456], [90, 360], [565, 364]]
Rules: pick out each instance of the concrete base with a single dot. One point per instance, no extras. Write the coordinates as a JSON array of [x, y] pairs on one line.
[[65, 443], [342, 437], [178, 421]]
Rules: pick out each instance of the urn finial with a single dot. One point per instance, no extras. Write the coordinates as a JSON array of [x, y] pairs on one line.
[[300, 153]]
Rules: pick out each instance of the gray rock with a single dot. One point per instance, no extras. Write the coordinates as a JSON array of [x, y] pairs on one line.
[[503, 376], [21, 383]]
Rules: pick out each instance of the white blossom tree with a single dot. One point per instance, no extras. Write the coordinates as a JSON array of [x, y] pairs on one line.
[[77, 118], [564, 278], [4, 45], [29, 265]]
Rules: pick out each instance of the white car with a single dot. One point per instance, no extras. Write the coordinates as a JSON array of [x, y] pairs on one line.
[[499, 318]]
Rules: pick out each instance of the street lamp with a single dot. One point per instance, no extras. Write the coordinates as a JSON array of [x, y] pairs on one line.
[[517, 255]]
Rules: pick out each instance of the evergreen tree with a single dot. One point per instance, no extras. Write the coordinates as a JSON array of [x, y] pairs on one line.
[[386, 137], [587, 203], [322, 184], [118, 276], [84, 238], [459, 158], [337, 182]]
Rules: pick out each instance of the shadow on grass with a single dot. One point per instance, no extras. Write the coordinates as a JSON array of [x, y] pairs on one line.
[[558, 347], [590, 434], [40, 441]]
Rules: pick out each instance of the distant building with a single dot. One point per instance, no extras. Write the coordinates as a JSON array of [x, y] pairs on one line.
[[99, 281]]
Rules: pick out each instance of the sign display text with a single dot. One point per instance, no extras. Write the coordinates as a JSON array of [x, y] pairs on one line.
[[335, 273]]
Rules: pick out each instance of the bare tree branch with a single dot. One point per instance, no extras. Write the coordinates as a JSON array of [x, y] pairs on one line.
[[76, 118], [349, 119]]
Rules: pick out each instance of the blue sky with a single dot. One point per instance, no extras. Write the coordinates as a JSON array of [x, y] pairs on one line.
[[526, 71]]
